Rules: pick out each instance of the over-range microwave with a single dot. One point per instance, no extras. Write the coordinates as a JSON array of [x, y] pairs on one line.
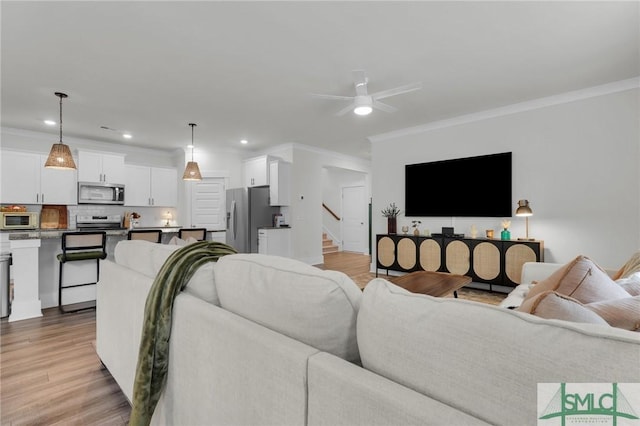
[[100, 193], [19, 220]]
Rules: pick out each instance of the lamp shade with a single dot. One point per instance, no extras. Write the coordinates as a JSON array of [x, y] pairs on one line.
[[523, 208], [60, 157], [192, 171]]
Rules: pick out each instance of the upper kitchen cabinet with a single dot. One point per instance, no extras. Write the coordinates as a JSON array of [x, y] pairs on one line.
[[256, 170], [100, 167], [279, 183], [26, 181], [150, 186]]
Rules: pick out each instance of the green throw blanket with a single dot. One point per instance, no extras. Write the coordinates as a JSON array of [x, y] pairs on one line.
[[153, 357]]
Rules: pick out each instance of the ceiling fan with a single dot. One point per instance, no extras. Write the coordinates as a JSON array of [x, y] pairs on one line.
[[363, 102]]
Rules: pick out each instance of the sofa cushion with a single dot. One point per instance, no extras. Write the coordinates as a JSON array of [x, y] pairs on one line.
[[453, 349], [142, 256], [314, 306], [147, 258], [621, 313], [582, 280], [554, 305]]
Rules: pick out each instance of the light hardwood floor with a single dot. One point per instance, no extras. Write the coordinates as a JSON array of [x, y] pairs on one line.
[[50, 373]]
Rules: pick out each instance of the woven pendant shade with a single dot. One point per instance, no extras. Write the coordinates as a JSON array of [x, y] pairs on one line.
[[192, 171], [60, 157]]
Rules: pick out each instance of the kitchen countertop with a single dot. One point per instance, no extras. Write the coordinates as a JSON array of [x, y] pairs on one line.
[[274, 227], [28, 234]]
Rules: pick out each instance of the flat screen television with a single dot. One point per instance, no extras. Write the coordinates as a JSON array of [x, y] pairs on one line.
[[468, 187]]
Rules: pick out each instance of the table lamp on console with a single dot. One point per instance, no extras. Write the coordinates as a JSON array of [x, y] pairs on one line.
[[525, 210]]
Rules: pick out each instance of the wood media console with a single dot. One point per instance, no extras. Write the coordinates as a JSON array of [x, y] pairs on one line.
[[490, 261]]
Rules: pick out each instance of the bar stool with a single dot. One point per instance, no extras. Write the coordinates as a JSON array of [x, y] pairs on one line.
[[152, 235], [81, 246], [199, 234]]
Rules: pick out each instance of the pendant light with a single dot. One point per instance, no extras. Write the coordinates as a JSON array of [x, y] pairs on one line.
[[60, 155], [192, 171]]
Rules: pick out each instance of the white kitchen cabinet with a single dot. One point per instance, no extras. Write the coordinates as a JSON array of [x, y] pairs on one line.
[[279, 183], [101, 167], [256, 170], [150, 186], [274, 241], [24, 180]]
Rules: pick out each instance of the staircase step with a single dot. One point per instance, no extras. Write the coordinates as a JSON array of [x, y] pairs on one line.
[[330, 249], [327, 245]]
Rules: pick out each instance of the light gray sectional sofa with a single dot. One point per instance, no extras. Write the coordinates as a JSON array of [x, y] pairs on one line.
[[264, 340]]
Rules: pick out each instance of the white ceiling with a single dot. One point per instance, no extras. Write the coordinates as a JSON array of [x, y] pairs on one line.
[[247, 69]]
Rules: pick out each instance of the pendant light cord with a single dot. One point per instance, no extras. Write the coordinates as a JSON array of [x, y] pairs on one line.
[[61, 96], [60, 119], [192, 145]]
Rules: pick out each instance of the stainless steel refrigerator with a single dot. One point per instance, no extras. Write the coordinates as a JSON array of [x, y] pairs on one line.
[[247, 210]]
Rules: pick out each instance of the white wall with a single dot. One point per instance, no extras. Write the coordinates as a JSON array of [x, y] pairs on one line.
[[333, 180], [305, 212], [576, 160]]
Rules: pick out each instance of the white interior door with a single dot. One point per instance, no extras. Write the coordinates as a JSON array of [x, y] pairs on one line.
[[354, 219], [208, 204]]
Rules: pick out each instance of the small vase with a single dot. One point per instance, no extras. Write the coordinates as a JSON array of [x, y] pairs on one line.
[[416, 232], [391, 225], [505, 234]]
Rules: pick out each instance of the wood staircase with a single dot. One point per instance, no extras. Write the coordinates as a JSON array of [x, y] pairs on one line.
[[327, 245]]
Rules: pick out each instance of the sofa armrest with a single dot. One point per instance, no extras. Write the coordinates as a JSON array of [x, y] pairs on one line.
[[120, 301], [537, 271]]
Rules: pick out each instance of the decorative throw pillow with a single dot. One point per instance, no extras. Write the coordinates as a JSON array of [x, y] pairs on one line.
[[631, 284], [631, 266], [180, 242], [631, 287], [551, 305], [582, 280], [621, 313], [177, 242]]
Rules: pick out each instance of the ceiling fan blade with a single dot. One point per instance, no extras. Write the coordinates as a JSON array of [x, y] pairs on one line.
[[340, 98], [383, 107], [360, 80], [346, 109], [396, 91]]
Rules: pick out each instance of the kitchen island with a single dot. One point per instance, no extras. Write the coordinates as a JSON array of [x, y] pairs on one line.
[[35, 289]]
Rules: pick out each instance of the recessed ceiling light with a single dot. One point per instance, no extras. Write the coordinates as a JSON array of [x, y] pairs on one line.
[[190, 146], [244, 141], [126, 136], [50, 122]]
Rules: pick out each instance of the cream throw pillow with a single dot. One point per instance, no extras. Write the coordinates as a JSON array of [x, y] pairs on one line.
[[621, 313], [580, 279], [551, 305]]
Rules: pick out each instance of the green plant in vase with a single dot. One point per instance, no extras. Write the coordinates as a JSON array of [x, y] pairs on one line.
[[391, 213]]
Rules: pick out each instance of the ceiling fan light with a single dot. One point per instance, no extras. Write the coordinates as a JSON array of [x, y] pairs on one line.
[[362, 105], [362, 110]]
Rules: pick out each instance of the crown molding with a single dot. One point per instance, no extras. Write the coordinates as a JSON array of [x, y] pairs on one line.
[[562, 98]]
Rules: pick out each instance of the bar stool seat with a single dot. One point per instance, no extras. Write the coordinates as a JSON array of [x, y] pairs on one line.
[[80, 246], [152, 235], [199, 234]]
